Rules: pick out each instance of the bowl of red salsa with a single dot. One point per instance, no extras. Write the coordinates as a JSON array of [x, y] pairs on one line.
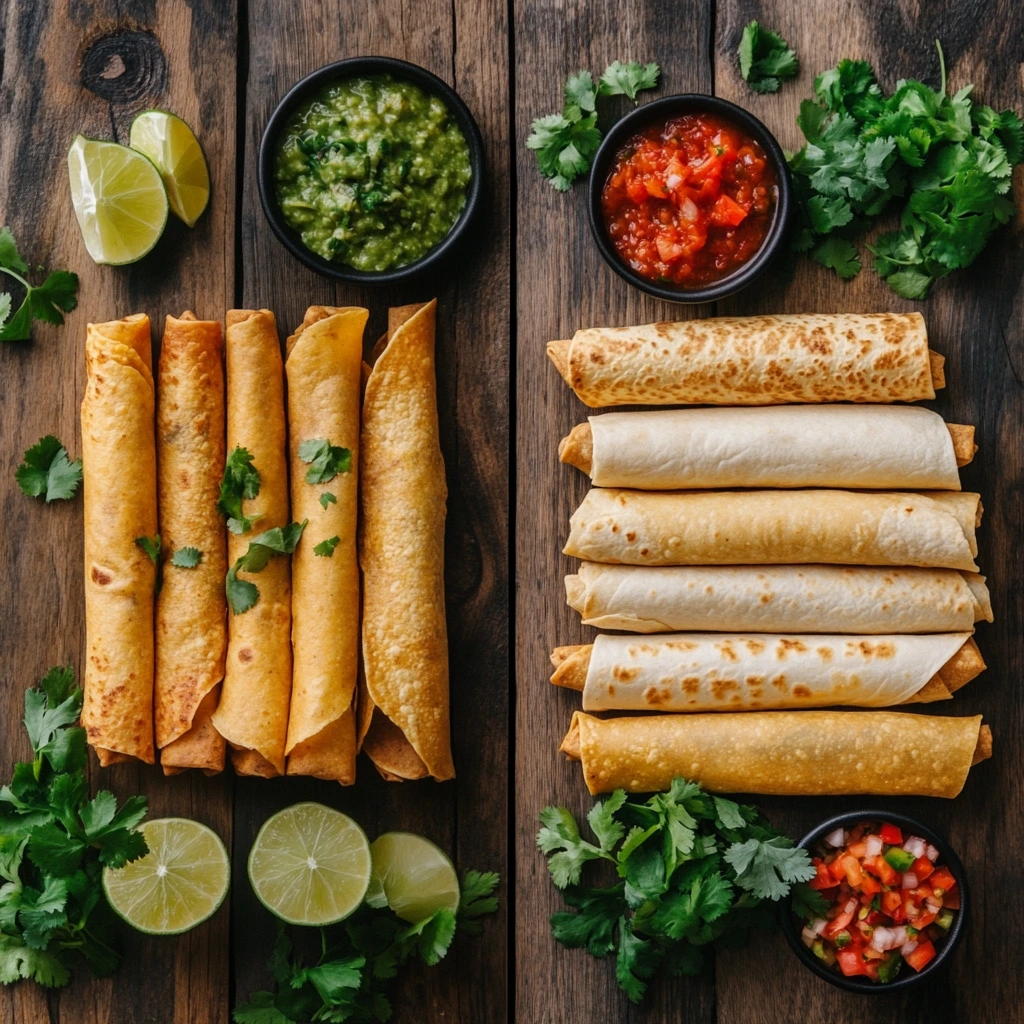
[[889, 906], [689, 198]]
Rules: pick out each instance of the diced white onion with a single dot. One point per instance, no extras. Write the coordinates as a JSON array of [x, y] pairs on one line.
[[898, 935], [673, 180], [888, 938], [916, 846], [688, 212], [909, 881], [818, 925], [908, 947], [808, 937], [874, 846], [851, 906], [833, 838], [931, 853]]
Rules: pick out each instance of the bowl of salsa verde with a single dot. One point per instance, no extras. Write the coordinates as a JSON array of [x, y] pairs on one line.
[[370, 170], [887, 904], [689, 198]]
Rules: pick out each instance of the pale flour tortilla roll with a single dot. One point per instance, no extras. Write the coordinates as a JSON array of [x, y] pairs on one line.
[[776, 527], [750, 671], [253, 711], [784, 753], [120, 486], [324, 367], [191, 609], [756, 360], [403, 705], [777, 599], [876, 447]]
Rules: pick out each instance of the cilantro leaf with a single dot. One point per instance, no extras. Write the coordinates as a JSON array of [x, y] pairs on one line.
[[728, 813], [326, 547], [476, 898], [808, 903], [593, 927], [42, 913], [241, 481], [53, 851], [260, 1009], [18, 961], [764, 867], [47, 471], [766, 59], [43, 720], [432, 936], [49, 301], [633, 962], [602, 820], [10, 258], [5, 307], [281, 540], [839, 254], [580, 95], [187, 558], [325, 460], [559, 832], [327, 499], [628, 79], [151, 545]]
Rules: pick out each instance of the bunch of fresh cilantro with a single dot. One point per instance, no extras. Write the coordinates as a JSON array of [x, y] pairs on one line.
[[49, 301], [54, 843], [565, 143], [693, 870], [952, 161], [358, 959]]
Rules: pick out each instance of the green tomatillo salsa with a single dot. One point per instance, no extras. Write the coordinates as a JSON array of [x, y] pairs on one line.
[[372, 172]]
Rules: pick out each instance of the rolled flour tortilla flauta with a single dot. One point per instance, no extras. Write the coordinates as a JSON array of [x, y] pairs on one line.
[[191, 609], [776, 527], [324, 367], [784, 753], [756, 360], [120, 506], [403, 706], [876, 447], [749, 671], [253, 711], [777, 599]]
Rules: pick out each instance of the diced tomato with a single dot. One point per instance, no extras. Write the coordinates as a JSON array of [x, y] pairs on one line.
[[871, 969], [668, 249], [882, 869], [857, 850], [728, 213], [922, 956], [951, 899], [656, 188], [823, 879], [922, 922], [891, 835], [923, 867], [870, 885], [942, 878], [851, 867], [837, 924], [891, 901], [851, 963], [637, 191]]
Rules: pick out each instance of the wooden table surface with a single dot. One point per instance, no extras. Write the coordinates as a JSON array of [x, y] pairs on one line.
[[68, 66], [974, 319]]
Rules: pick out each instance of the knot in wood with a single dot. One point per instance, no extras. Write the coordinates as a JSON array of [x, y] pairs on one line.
[[124, 66]]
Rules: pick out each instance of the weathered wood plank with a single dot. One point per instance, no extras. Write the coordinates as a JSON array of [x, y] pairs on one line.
[[58, 76], [562, 285], [463, 43]]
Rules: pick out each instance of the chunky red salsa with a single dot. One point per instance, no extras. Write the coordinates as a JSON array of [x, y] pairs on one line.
[[690, 202], [890, 902]]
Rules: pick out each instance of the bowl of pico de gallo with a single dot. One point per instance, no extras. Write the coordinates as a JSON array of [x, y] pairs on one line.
[[689, 198], [889, 902]]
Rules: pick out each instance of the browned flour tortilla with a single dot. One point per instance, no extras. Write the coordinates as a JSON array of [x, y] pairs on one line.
[[403, 704], [757, 360], [191, 609], [785, 753], [253, 711], [120, 505]]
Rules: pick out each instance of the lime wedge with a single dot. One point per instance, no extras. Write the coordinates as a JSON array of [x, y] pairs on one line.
[[177, 885], [310, 865], [175, 150], [417, 878], [119, 199]]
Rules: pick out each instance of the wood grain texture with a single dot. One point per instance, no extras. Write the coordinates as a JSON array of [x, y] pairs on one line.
[[464, 43], [52, 57]]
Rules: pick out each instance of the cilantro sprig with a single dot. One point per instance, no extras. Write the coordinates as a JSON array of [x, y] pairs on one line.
[[565, 143], [766, 59], [54, 842], [358, 960], [241, 481], [47, 472], [693, 870], [186, 558], [57, 295], [951, 160], [325, 460], [281, 540]]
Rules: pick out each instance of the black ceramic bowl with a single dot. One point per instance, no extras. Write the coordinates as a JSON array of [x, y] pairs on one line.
[[657, 113], [907, 977], [302, 92]]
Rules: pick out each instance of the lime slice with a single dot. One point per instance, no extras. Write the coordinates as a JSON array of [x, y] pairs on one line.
[[177, 885], [119, 199], [417, 878], [310, 864], [175, 150]]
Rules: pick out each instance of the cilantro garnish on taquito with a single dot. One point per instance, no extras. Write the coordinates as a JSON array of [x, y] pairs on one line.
[[324, 367], [777, 598], [756, 360], [747, 671], [253, 711], [785, 753], [936, 529], [868, 447], [403, 706], [120, 577], [191, 627]]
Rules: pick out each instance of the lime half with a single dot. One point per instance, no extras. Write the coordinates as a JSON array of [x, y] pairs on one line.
[[119, 199], [310, 865], [177, 885], [416, 877], [175, 150]]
